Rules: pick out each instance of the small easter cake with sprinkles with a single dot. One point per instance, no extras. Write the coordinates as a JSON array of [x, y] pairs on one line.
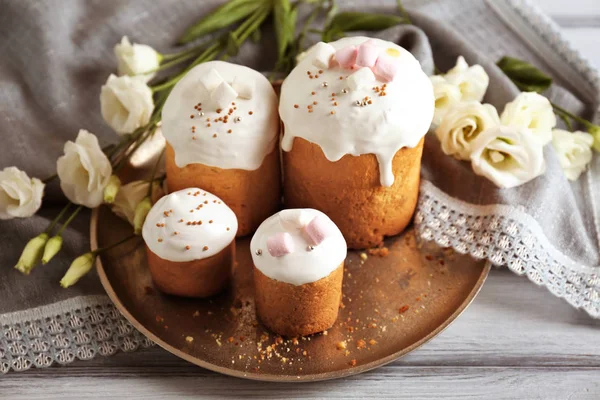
[[298, 260], [355, 112], [190, 243], [221, 125]]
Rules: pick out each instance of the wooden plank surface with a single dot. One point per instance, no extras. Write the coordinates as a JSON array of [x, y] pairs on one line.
[[515, 341]]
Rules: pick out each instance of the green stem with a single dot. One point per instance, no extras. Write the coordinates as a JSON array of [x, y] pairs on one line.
[[120, 242], [68, 221], [154, 169], [306, 26], [58, 218], [403, 11], [169, 57], [565, 119], [582, 121]]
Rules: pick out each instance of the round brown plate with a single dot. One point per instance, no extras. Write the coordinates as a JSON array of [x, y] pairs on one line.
[[392, 304]]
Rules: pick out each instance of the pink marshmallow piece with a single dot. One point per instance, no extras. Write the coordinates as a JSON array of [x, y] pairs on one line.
[[318, 229], [386, 67], [346, 56], [280, 244], [367, 54]]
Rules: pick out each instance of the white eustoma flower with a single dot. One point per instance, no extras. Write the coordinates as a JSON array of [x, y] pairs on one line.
[[446, 95], [84, 170], [20, 195], [136, 59], [128, 198], [131, 194], [126, 103], [472, 81], [462, 124], [574, 151], [508, 156], [532, 111]]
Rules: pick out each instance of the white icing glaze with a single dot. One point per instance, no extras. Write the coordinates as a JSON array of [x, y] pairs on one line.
[[167, 233], [398, 119], [250, 139], [301, 266]]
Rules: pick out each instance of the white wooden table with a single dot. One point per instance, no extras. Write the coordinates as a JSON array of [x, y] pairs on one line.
[[515, 341]]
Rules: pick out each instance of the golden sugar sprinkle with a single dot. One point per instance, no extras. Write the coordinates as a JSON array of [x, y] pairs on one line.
[[205, 248], [187, 247]]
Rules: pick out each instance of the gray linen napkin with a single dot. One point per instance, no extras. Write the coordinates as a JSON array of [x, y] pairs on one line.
[[55, 58]]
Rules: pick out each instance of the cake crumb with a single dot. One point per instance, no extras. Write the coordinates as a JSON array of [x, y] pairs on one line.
[[189, 339], [341, 345], [352, 363], [363, 256], [372, 342], [403, 309], [325, 333], [361, 344], [196, 313], [379, 251]]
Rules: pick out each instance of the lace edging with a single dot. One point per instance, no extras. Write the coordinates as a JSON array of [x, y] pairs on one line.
[[78, 328], [506, 236]]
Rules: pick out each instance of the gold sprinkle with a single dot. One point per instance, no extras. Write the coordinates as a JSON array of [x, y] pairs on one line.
[[320, 71], [188, 223], [219, 111], [215, 135], [332, 112], [250, 112], [228, 228], [313, 93], [205, 201], [192, 116], [181, 220], [175, 233], [187, 247], [159, 240], [316, 76], [341, 77], [210, 222], [193, 137], [205, 248], [208, 125], [315, 103], [332, 94]]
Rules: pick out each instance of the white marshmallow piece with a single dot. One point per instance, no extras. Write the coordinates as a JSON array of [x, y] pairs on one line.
[[322, 53], [211, 80], [361, 78], [244, 89], [223, 95]]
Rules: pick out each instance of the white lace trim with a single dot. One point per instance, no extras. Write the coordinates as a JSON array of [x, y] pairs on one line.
[[506, 236], [78, 328]]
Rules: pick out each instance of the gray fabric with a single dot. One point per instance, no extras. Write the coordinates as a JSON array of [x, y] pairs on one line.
[[56, 55]]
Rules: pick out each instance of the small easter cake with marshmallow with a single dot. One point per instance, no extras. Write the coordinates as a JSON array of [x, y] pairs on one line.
[[190, 243], [298, 257], [355, 112], [221, 125]]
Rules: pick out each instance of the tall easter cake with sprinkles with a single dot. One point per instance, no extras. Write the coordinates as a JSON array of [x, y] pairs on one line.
[[355, 112], [190, 243], [298, 258], [222, 130]]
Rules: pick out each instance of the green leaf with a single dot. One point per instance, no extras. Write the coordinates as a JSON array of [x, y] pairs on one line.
[[228, 14], [527, 77], [358, 21], [232, 46], [285, 24]]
